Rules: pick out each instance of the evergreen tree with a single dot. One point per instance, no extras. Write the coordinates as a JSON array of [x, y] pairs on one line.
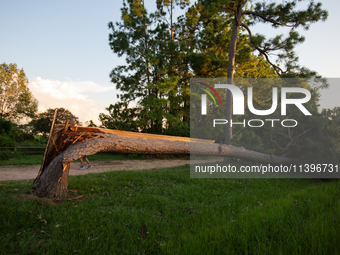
[[163, 54], [151, 76], [246, 13]]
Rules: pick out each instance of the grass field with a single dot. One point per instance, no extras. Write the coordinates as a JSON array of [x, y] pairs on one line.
[[33, 159], [166, 212]]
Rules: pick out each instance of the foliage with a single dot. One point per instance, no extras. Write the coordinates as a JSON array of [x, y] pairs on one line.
[[153, 76], [6, 141], [5, 154], [43, 121], [12, 133], [324, 144], [38, 141], [314, 140], [16, 100], [162, 55], [121, 117], [6, 133], [90, 123], [6, 127], [21, 133], [245, 13], [41, 139]]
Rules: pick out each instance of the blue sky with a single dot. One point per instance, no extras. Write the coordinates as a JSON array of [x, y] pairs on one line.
[[63, 48]]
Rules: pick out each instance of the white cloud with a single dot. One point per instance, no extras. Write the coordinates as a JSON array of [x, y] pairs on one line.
[[90, 86], [69, 95]]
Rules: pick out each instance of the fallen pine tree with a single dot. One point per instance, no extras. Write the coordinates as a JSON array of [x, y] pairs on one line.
[[69, 142]]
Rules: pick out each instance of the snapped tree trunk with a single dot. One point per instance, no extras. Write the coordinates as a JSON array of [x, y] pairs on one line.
[[75, 142]]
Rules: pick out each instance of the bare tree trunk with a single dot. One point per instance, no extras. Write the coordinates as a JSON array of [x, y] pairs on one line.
[[53, 181], [230, 72]]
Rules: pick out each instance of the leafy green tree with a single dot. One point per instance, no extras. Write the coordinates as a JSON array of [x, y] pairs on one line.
[[16, 100], [121, 117], [42, 122], [246, 13], [90, 123], [6, 133], [314, 140], [333, 127]]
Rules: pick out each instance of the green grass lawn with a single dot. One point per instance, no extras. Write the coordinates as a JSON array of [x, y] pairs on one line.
[[32, 159], [179, 216]]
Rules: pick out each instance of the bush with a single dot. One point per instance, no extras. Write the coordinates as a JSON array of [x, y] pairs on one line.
[[6, 141], [6, 154], [20, 135], [250, 140], [41, 139], [6, 127]]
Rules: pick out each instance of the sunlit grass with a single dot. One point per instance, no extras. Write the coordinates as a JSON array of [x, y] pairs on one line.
[[32, 159], [180, 215], [22, 159]]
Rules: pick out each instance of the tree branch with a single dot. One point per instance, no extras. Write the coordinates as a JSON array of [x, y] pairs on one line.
[[267, 19], [271, 138], [292, 140], [276, 68]]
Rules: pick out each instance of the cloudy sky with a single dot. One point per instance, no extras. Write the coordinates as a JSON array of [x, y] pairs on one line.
[[63, 48]]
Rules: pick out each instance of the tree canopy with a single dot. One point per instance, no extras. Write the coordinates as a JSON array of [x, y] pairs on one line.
[[16, 100], [162, 54], [212, 39], [245, 13], [154, 84], [42, 121]]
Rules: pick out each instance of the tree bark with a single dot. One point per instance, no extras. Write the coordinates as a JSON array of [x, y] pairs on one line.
[[230, 73], [54, 179]]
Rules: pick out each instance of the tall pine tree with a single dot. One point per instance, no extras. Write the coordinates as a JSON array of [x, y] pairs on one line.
[[151, 76], [246, 13]]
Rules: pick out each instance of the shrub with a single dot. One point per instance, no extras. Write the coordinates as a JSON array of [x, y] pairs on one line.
[[6, 141], [6, 154]]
